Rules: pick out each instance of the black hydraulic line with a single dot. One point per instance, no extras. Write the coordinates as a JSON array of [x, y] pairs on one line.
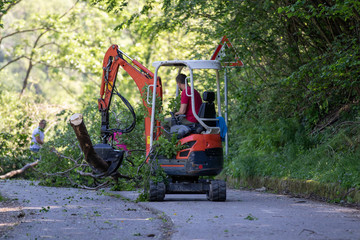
[[131, 109]]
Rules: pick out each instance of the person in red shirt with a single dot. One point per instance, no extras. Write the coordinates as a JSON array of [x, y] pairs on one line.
[[186, 104]]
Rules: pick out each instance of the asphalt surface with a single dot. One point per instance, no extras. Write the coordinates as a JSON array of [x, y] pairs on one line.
[[62, 213], [256, 215], [68, 213]]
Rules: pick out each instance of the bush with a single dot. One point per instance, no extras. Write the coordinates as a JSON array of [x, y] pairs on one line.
[[282, 149]]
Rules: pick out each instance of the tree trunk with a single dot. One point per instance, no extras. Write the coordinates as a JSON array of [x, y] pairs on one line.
[[77, 123]]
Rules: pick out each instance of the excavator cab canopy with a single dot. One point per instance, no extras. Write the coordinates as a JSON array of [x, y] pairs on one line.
[[191, 65]]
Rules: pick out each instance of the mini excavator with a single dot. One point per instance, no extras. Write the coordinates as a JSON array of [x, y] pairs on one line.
[[202, 153]]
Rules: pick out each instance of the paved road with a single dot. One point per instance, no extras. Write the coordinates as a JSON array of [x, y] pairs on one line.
[[256, 215], [62, 213], [68, 213]]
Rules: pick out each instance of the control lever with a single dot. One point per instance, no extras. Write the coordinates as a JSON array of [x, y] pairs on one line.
[[174, 119]]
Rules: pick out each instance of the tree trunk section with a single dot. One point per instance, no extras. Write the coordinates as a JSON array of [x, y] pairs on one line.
[[77, 123]]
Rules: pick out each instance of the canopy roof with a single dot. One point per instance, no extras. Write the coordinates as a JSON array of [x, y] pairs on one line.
[[193, 64]]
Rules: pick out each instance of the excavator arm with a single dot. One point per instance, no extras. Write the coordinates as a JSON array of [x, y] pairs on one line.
[[143, 77]]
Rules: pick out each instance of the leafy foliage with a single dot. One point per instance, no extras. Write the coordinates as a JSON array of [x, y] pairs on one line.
[[5, 6], [168, 148], [17, 124], [2, 198]]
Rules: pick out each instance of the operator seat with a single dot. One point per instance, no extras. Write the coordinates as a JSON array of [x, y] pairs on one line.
[[207, 108]]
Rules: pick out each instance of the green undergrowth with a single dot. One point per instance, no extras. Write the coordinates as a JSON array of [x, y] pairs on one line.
[[1, 198], [284, 149], [329, 192]]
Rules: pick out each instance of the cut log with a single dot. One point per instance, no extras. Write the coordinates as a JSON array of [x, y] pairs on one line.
[[77, 123], [19, 171]]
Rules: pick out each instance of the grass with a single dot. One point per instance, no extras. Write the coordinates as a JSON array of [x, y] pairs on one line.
[[280, 151], [2, 198]]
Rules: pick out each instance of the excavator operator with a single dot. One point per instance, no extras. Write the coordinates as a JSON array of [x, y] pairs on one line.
[[184, 115], [185, 107]]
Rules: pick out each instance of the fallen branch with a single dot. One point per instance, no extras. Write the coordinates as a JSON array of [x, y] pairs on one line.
[[103, 185], [146, 160], [59, 155], [19, 171], [101, 175], [62, 174], [331, 118]]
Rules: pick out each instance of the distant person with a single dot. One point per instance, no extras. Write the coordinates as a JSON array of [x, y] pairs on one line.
[[37, 137]]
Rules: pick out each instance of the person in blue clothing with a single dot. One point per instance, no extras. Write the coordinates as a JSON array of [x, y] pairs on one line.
[[37, 137]]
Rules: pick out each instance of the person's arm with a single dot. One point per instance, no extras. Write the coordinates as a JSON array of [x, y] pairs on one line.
[[182, 109], [38, 140]]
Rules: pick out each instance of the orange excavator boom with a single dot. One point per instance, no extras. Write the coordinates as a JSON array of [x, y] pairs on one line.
[[143, 77]]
